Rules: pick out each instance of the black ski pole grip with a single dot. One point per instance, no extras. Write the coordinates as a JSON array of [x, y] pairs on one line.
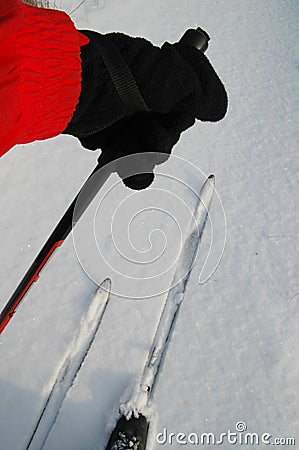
[[196, 37]]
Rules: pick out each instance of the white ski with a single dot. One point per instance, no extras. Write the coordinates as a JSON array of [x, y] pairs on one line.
[[132, 427], [71, 365]]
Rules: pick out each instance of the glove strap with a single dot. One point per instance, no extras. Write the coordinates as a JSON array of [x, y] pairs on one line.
[[121, 75]]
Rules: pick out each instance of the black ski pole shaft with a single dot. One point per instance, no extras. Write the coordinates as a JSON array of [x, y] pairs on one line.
[[197, 38], [55, 240]]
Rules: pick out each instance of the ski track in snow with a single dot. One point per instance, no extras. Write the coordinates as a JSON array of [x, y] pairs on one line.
[[233, 355], [71, 365]]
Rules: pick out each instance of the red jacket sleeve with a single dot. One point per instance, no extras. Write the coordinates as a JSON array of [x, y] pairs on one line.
[[40, 72]]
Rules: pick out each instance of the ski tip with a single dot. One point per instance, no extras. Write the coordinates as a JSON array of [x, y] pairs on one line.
[[208, 185], [211, 178], [207, 192], [105, 285]]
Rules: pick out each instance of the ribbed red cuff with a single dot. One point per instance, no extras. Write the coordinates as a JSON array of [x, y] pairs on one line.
[[40, 75]]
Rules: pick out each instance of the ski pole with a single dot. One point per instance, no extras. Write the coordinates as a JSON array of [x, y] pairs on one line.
[[55, 240], [197, 38]]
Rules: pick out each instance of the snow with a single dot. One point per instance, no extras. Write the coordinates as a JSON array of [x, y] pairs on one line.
[[233, 355]]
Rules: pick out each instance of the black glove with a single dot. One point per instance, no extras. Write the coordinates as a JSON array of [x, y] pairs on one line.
[[140, 133], [177, 84]]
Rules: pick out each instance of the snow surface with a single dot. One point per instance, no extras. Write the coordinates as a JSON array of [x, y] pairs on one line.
[[234, 353]]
